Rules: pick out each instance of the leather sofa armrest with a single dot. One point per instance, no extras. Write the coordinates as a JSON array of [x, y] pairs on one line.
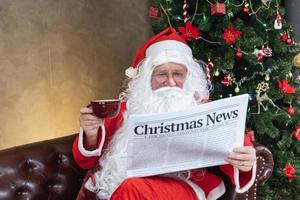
[[264, 170], [265, 164]]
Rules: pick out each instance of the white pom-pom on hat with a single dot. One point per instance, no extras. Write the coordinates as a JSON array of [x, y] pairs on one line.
[[131, 72]]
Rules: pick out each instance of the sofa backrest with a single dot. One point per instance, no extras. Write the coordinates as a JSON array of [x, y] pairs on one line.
[[42, 170]]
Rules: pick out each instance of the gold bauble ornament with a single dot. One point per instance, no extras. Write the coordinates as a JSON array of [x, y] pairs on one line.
[[296, 61], [237, 89], [267, 78], [217, 73], [289, 75]]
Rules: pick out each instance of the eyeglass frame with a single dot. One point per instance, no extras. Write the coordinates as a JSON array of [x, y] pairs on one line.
[[162, 77]]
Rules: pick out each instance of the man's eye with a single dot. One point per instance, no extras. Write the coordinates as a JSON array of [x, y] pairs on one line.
[[179, 74], [162, 75]]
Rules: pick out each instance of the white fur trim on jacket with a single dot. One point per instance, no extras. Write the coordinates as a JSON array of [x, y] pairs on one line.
[[199, 192], [217, 192], [87, 153], [238, 189], [214, 194]]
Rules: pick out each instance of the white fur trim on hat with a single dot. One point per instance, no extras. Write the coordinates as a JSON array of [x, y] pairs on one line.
[[131, 72], [174, 56], [167, 45]]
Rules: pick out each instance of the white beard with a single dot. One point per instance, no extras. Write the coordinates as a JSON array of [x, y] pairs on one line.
[[166, 99], [113, 163]]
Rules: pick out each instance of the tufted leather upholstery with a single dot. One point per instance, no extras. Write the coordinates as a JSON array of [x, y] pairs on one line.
[[38, 171], [46, 170]]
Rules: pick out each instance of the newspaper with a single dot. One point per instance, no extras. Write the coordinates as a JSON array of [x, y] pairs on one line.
[[197, 137]]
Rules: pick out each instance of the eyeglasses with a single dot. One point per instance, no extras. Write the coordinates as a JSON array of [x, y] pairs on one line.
[[178, 76]]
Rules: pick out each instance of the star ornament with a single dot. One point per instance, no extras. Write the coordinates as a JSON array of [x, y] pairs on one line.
[[231, 34], [189, 32]]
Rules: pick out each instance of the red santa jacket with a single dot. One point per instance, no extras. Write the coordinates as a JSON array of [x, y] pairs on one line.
[[206, 184]]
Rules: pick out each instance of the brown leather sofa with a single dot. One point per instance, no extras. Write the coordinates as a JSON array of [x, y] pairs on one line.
[[46, 171]]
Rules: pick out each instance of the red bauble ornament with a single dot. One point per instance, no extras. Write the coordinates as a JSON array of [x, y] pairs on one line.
[[291, 110], [218, 9], [289, 171], [239, 54], [283, 37], [153, 12], [288, 41], [246, 10]]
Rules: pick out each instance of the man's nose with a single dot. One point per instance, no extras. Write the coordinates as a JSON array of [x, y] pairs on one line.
[[170, 81]]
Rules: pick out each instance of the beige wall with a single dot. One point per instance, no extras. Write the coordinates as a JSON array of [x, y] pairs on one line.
[[56, 55]]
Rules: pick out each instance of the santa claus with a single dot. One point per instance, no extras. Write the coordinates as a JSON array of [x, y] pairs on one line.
[[164, 77]]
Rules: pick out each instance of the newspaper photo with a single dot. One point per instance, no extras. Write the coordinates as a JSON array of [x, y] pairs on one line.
[[197, 137]]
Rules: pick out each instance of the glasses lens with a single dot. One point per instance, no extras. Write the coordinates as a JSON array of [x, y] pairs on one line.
[[177, 76]]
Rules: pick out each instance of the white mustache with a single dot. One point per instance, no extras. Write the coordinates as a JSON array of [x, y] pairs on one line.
[[165, 89]]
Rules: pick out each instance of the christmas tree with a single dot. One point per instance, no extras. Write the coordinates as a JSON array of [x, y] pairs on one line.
[[248, 48]]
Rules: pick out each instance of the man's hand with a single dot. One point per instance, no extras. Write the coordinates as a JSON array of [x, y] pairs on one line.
[[242, 158], [90, 125]]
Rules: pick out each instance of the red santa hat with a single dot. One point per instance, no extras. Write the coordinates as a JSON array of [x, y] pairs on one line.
[[165, 42]]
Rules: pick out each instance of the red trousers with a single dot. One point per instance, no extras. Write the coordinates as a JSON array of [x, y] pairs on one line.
[[149, 188]]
